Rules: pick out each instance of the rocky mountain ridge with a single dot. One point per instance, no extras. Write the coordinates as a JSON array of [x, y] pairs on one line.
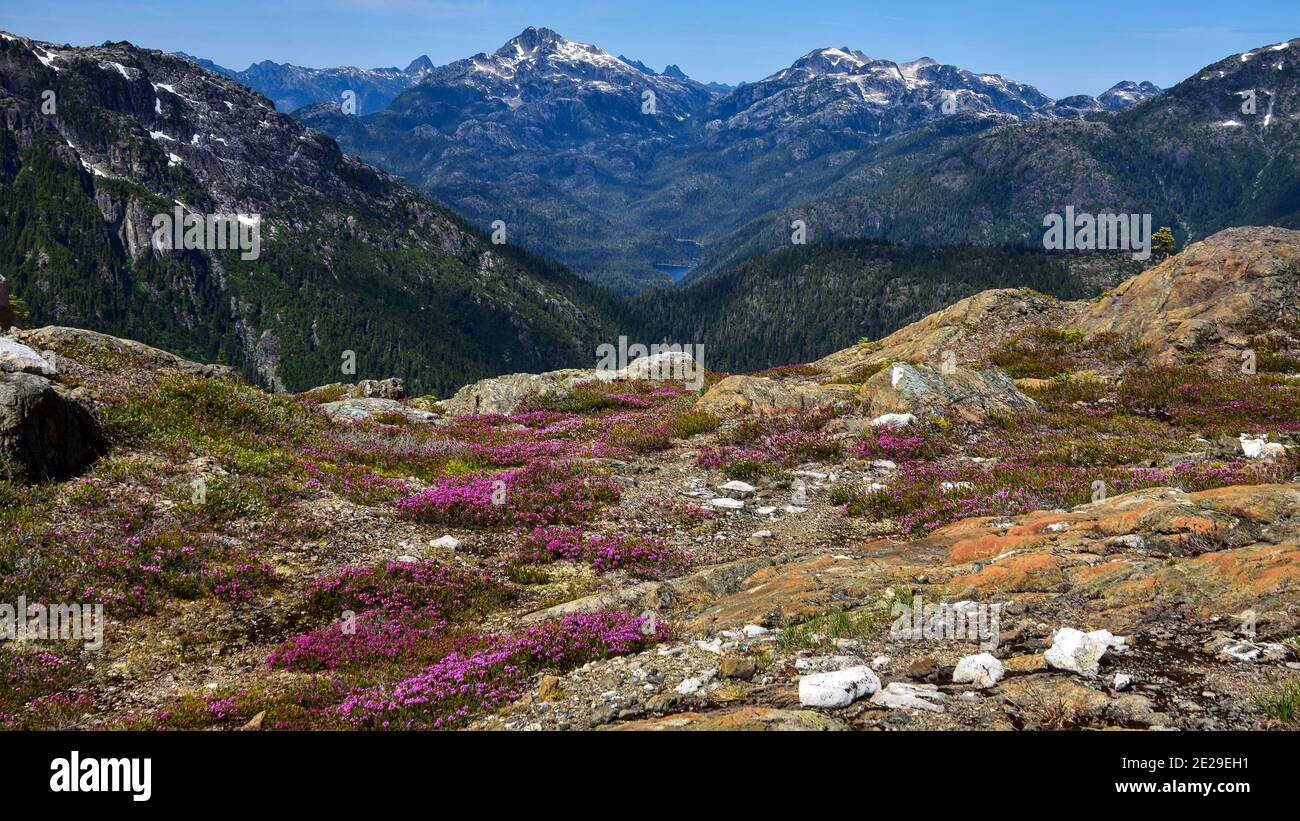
[[292, 87]]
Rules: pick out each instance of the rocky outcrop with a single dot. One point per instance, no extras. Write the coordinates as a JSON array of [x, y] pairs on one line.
[[920, 390], [736, 720], [1205, 302], [353, 410], [137, 354], [503, 394], [1211, 553], [762, 395], [1199, 300], [928, 391], [391, 388], [16, 357], [967, 329]]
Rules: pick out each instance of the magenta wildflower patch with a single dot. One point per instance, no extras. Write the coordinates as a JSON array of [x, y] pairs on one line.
[[489, 671], [542, 493], [400, 611], [901, 445], [646, 557], [37, 688], [400, 586]]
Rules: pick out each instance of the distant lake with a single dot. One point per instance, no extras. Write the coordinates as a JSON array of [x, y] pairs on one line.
[[674, 271], [677, 270]]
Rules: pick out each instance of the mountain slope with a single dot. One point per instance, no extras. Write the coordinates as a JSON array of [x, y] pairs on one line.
[[351, 260], [799, 303], [1160, 503]]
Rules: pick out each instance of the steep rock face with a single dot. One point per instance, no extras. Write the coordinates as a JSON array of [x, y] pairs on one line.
[[1204, 296]]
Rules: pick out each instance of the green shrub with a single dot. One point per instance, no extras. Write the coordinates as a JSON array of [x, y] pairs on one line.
[[751, 470], [693, 423]]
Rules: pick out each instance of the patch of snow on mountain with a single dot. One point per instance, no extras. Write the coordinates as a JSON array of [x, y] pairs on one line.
[[46, 57], [121, 69]]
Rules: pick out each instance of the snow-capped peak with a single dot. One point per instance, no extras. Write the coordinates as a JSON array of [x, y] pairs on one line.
[[419, 66], [1126, 93], [529, 42], [843, 60], [910, 69], [542, 46]]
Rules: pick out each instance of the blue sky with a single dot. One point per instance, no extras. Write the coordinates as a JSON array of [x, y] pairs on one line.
[[1062, 48]]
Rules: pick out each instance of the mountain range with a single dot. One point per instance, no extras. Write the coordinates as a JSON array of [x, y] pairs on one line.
[[1219, 149], [291, 87], [554, 138]]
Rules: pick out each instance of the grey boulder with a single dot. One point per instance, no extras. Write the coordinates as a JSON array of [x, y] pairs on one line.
[[44, 434]]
